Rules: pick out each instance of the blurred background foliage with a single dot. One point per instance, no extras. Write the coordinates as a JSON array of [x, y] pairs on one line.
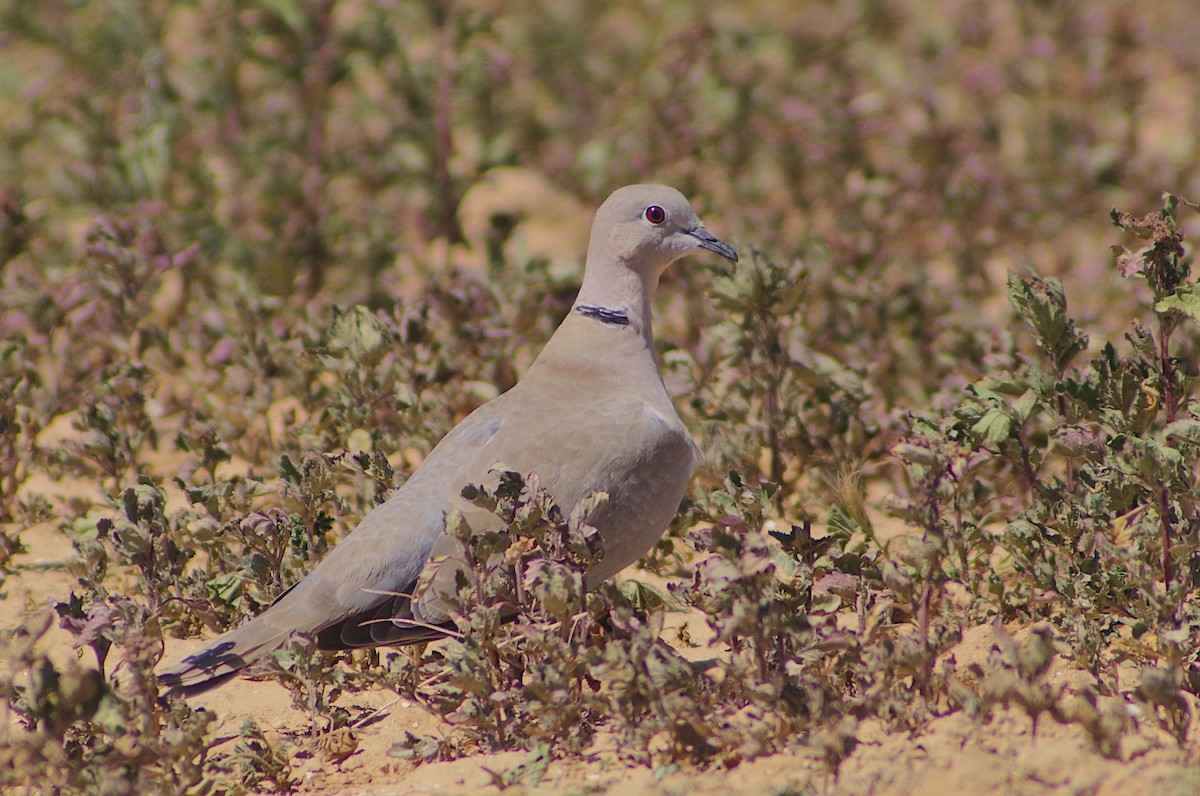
[[285, 150], [311, 142]]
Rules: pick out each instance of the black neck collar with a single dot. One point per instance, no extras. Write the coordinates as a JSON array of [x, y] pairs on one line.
[[616, 317]]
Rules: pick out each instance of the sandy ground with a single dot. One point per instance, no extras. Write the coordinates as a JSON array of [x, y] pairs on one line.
[[953, 754]]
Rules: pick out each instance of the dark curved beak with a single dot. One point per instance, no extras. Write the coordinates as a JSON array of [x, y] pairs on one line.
[[712, 243]]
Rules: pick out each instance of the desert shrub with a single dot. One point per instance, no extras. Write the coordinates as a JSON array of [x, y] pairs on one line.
[[82, 733]]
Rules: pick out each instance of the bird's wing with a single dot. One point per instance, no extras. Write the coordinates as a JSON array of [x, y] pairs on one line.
[[382, 555]]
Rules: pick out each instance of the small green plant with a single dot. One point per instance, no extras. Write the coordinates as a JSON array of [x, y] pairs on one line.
[[1098, 462], [313, 678], [116, 429], [137, 532], [256, 762], [517, 672], [17, 427], [762, 373], [81, 733]]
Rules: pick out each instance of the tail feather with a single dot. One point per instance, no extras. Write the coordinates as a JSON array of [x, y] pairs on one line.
[[226, 656], [390, 624], [223, 658]]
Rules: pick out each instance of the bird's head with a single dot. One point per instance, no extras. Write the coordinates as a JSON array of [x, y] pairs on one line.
[[648, 227]]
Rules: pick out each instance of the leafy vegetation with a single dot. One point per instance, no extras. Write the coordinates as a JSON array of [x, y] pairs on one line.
[[255, 259]]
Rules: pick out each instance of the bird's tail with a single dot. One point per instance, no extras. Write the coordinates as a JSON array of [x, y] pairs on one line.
[[223, 658]]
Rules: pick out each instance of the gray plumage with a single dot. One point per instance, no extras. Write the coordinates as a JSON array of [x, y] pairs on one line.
[[591, 414]]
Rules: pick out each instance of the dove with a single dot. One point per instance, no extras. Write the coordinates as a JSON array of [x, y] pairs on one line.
[[591, 414]]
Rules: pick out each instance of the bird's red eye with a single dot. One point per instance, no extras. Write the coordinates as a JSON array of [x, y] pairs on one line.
[[655, 214]]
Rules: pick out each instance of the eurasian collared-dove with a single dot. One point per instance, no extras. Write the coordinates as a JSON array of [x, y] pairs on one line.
[[590, 415]]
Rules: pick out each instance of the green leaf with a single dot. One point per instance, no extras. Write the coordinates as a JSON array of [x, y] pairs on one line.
[[228, 588], [288, 470], [1025, 404], [1184, 431], [288, 11], [359, 334], [1042, 304], [1024, 529], [585, 509], [915, 454], [785, 565], [646, 596], [826, 603], [841, 523], [1184, 300], [993, 427], [1000, 386]]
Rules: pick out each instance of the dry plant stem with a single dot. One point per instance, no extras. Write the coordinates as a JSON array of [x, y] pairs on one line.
[[1069, 466], [923, 629], [1164, 521], [774, 350], [1166, 365], [11, 482], [417, 623], [1027, 470], [760, 653], [960, 544], [1167, 377], [376, 712], [772, 407], [519, 581]]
